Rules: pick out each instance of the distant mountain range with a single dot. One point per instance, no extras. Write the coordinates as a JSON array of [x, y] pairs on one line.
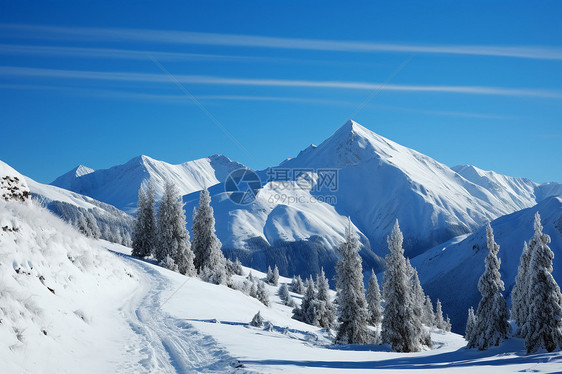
[[378, 181], [298, 222]]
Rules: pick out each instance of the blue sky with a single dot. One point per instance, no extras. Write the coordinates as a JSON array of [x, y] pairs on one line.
[[93, 83]]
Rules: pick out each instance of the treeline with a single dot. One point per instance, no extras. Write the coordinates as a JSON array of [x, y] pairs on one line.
[[401, 316], [95, 223], [536, 301], [163, 236]]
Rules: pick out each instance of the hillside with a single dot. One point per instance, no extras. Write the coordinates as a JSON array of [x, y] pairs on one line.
[[451, 271]]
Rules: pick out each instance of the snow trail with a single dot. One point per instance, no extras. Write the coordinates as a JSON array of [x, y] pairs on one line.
[[163, 343]]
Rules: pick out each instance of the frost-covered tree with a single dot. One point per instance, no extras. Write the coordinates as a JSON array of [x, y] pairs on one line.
[[416, 291], [261, 293], [173, 238], [519, 294], [144, 230], [470, 323], [285, 296], [401, 326], [325, 309], [253, 290], [272, 276], [275, 276], [428, 316], [236, 267], [206, 246], [257, 320], [169, 263], [353, 314], [307, 312], [543, 328], [492, 313], [439, 321], [374, 300], [297, 286]]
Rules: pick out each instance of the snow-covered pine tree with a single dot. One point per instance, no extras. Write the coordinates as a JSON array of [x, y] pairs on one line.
[[275, 278], [543, 328], [238, 267], [401, 326], [417, 294], [353, 314], [374, 300], [144, 230], [439, 321], [206, 246], [173, 238], [519, 294], [272, 276], [492, 314], [262, 294], [253, 289], [470, 323], [428, 316], [297, 286], [169, 263], [257, 320], [285, 296], [448, 325], [325, 309], [307, 312]]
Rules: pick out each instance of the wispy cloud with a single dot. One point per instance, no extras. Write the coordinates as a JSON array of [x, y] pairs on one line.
[[166, 97], [115, 53], [14, 71], [197, 38]]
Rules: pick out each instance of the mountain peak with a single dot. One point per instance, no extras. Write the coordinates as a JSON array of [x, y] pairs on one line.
[[82, 170]]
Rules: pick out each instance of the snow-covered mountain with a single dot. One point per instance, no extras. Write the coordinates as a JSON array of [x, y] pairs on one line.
[[451, 270], [381, 181], [113, 224], [378, 181], [119, 185]]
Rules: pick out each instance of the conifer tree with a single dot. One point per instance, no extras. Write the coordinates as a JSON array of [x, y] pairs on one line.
[[492, 314], [353, 314], [416, 293], [307, 312], [325, 309], [439, 319], [374, 300], [519, 294], [401, 326], [173, 238], [144, 230], [272, 276], [297, 286], [285, 296], [470, 324], [209, 259], [428, 316], [543, 328], [261, 293]]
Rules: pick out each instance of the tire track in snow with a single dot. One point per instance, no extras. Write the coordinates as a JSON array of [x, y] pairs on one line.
[[167, 344]]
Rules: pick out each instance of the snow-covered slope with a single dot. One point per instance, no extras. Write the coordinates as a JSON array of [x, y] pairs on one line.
[[451, 271], [114, 224], [119, 185], [380, 181], [59, 293], [69, 180], [299, 235]]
